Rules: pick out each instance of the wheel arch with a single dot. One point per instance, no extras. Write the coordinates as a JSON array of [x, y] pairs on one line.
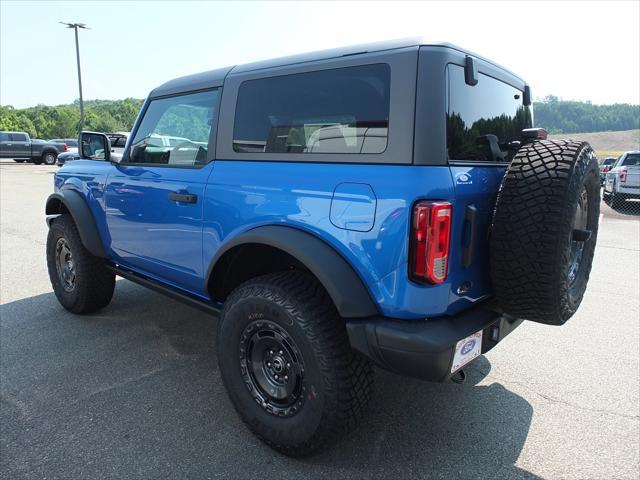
[[49, 150], [71, 202], [269, 248]]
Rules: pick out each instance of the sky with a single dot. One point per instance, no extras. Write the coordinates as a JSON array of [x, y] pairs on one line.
[[576, 50]]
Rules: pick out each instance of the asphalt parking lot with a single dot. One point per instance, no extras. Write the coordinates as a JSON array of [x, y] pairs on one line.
[[134, 390]]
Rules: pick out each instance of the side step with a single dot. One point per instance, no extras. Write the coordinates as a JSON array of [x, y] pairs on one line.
[[167, 290]]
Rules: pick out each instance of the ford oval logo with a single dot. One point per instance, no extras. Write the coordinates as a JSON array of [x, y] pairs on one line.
[[467, 347], [463, 178]]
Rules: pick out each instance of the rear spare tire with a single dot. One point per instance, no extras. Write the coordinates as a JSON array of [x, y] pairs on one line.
[[544, 230]]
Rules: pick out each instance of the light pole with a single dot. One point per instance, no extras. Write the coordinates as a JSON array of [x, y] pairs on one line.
[[75, 27]]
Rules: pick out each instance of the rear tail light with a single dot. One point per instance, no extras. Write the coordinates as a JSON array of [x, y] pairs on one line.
[[430, 239], [623, 175], [64, 146]]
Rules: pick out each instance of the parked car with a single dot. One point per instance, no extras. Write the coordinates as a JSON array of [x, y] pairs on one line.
[[384, 204], [21, 148], [69, 156], [605, 166], [71, 143], [622, 182], [118, 142]]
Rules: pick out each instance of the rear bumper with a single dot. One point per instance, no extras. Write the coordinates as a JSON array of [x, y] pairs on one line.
[[425, 349]]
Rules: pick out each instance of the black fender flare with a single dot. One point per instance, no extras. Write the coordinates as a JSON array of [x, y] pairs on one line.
[[77, 207], [345, 287]]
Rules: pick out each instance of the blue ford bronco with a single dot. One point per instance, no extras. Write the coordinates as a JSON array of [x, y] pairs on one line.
[[387, 204]]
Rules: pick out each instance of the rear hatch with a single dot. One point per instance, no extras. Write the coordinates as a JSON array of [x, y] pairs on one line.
[[476, 189], [484, 128]]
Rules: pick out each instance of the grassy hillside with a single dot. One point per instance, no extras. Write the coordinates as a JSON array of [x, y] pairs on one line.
[[607, 144]]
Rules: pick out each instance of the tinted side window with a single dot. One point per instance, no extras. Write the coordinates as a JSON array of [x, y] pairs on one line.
[[344, 110], [18, 137], [483, 119], [175, 130], [4, 137]]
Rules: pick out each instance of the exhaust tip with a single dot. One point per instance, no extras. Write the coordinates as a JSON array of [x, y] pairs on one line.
[[459, 377]]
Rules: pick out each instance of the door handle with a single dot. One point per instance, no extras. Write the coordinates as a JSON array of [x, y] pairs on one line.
[[183, 197]]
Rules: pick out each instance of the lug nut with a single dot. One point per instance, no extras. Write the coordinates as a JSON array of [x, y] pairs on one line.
[[288, 365], [280, 352], [268, 364], [276, 377], [286, 377]]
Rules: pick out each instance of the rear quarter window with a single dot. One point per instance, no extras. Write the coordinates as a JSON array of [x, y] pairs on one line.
[[476, 113], [342, 110]]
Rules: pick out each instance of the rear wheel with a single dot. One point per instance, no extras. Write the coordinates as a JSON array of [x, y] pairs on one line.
[[544, 230], [49, 158], [287, 365], [80, 280]]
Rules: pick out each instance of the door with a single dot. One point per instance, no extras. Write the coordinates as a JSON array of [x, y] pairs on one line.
[[20, 145], [484, 122], [5, 145], [14, 145], [154, 197]]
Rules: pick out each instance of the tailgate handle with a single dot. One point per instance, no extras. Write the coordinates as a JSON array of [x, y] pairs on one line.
[[469, 234]]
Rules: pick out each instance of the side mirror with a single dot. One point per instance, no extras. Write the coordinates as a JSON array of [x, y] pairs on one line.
[[95, 146]]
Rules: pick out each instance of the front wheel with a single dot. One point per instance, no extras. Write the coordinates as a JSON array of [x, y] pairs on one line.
[[80, 280], [287, 365]]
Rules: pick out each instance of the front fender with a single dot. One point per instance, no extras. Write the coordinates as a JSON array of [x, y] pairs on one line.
[[72, 202], [342, 283]]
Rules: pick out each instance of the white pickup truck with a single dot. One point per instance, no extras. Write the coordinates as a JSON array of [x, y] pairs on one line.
[[622, 182]]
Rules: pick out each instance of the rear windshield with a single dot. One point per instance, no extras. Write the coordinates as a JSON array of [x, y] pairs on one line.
[[344, 110], [483, 120], [631, 160]]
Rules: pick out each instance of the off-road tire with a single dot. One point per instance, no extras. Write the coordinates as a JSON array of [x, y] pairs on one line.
[[338, 380], [49, 158], [533, 227], [94, 283]]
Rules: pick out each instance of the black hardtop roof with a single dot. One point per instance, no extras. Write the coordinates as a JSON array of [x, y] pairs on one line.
[[215, 78]]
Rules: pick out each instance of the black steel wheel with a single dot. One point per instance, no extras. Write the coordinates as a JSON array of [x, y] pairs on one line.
[[272, 367], [286, 363], [64, 265]]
